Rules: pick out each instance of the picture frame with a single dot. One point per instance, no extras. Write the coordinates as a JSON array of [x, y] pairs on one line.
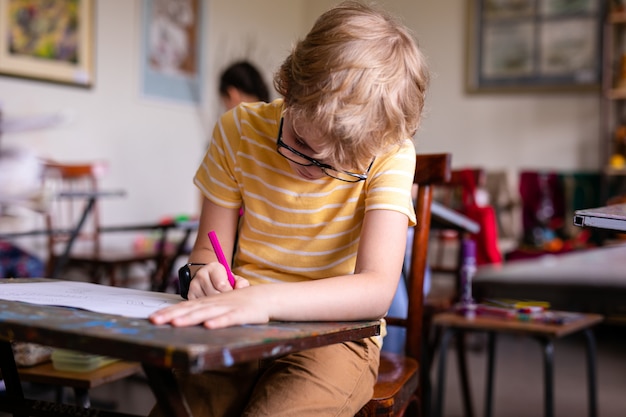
[[172, 51], [533, 46], [32, 48]]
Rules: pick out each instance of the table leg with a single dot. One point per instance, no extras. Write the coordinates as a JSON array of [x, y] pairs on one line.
[[9, 374], [548, 376], [491, 357], [81, 396], [167, 391], [447, 335], [461, 358], [591, 373]]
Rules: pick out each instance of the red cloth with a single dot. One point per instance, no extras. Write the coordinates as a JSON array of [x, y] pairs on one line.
[[487, 250]]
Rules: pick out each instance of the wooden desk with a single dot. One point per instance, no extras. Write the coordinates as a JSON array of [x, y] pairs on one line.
[[591, 280], [158, 348]]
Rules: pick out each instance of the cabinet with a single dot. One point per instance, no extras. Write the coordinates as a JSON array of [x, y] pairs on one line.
[[613, 103]]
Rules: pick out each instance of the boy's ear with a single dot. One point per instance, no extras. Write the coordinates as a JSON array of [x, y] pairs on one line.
[[231, 98], [234, 94]]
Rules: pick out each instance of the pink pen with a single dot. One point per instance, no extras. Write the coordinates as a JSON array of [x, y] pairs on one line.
[[220, 256]]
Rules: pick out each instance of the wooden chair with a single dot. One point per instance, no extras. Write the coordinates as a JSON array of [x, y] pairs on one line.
[[402, 378], [75, 232]]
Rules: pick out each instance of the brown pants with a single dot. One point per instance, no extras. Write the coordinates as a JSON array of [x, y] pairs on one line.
[[334, 380]]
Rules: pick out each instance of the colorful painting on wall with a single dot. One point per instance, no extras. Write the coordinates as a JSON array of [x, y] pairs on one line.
[[47, 40]]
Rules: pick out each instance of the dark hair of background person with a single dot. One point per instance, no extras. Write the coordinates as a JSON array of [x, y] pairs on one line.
[[244, 77]]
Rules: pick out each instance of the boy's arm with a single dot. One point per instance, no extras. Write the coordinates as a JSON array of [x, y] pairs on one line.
[[212, 278], [367, 294]]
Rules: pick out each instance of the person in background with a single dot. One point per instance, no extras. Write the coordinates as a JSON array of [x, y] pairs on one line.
[[325, 175], [241, 82]]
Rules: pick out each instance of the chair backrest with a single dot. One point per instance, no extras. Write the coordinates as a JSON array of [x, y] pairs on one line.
[[431, 169], [69, 185]]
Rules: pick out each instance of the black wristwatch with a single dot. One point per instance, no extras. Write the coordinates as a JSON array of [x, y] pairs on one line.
[[185, 277]]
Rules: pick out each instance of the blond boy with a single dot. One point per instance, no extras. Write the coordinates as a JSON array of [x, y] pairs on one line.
[[325, 177]]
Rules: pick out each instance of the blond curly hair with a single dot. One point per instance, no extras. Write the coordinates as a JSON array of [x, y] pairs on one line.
[[359, 77]]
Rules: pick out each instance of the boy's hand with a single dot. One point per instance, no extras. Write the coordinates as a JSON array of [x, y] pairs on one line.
[[212, 279], [216, 311]]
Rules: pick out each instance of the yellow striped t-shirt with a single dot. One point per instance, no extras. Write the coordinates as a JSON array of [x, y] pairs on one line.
[[294, 229]]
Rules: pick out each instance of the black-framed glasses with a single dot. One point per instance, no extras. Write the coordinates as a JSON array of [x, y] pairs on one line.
[[304, 160]]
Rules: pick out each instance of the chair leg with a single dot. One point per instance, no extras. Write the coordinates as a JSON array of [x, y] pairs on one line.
[[94, 273], [111, 274]]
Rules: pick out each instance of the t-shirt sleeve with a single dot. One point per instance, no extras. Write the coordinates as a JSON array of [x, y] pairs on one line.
[[391, 180], [216, 176]]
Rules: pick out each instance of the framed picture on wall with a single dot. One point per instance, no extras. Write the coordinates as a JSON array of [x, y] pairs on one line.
[[529, 45], [47, 40], [172, 50]]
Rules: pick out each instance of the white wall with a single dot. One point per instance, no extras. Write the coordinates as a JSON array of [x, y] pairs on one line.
[[153, 147]]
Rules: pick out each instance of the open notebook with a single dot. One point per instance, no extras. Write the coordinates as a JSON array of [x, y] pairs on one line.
[[106, 299]]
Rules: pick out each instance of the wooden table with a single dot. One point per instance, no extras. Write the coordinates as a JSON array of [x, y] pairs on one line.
[[158, 348], [591, 280], [81, 382], [455, 324], [90, 197], [164, 258]]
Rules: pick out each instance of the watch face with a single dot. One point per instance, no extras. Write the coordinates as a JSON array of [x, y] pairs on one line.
[[184, 279]]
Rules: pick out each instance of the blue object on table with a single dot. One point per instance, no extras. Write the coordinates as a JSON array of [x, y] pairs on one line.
[[17, 263]]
